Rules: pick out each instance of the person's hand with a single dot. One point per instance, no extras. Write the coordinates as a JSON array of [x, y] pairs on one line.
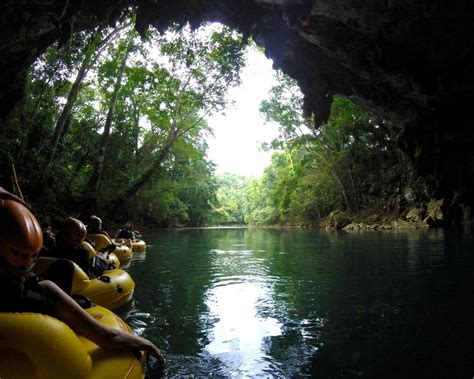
[[4, 194], [122, 340], [155, 352]]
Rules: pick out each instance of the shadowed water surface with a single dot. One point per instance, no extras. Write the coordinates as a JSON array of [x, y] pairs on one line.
[[299, 303]]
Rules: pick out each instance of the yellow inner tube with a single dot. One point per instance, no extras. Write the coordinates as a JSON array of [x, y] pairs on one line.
[[138, 246], [37, 346], [111, 290], [110, 258], [123, 252]]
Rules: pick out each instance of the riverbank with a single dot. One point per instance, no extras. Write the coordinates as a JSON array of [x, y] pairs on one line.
[[423, 215]]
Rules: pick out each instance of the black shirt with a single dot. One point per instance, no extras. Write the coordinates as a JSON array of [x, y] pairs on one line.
[[125, 233], [20, 294], [77, 254]]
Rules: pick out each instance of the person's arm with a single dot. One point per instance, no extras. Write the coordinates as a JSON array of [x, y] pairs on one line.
[[68, 311]]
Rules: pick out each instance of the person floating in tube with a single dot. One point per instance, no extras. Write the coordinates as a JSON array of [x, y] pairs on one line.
[[21, 240]]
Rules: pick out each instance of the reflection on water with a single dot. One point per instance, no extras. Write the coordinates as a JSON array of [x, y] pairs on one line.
[[295, 303], [239, 333]]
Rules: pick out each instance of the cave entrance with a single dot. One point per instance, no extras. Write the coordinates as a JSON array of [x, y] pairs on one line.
[[240, 131]]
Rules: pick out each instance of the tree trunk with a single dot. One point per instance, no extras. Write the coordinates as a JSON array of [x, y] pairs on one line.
[[149, 173], [87, 63], [92, 188]]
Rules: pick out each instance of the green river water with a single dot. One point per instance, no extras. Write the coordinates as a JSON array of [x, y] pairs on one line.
[[302, 303]]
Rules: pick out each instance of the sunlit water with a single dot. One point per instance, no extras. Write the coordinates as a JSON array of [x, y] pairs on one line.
[[299, 303]]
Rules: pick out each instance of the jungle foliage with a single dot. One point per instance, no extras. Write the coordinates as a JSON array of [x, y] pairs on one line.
[[350, 163], [114, 124]]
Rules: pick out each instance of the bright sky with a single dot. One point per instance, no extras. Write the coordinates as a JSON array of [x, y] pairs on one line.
[[239, 133]]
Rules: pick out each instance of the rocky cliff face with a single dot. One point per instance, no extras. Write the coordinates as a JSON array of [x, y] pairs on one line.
[[409, 61]]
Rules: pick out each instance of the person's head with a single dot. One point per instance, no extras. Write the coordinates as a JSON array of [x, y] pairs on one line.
[[95, 222], [128, 225], [21, 237], [72, 231]]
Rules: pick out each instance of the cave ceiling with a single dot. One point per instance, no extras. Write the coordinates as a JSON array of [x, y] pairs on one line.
[[408, 61]]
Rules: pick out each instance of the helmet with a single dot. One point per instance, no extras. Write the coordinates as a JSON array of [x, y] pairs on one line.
[[95, 222], [73, 231], [21, 237]]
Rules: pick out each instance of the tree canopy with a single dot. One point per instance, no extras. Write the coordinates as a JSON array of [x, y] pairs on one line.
[[111, 121]]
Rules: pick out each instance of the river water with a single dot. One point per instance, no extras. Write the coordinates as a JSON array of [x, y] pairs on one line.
[[304, 303]]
